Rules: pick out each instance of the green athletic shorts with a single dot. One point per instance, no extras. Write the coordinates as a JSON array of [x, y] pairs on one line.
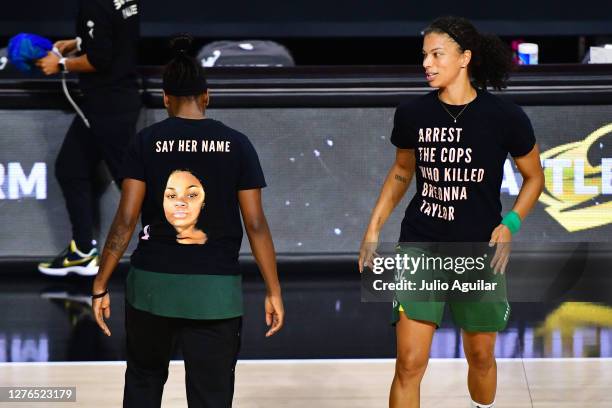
[[489, 314], [470, 316]]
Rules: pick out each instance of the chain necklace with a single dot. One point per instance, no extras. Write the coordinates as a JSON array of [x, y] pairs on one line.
[[455, 117]]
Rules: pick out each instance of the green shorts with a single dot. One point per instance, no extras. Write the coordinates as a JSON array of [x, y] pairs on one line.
[[487, 312], [470, 316]]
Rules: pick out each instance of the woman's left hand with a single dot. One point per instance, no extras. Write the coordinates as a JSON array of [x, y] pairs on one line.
[[502, 238], [275, 313]]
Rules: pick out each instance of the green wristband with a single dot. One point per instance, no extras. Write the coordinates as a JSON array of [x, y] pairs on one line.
[[513, 221]]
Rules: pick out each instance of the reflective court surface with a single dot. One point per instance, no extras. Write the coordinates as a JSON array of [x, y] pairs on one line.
[[363, 383], [49, 319], [334, 350]]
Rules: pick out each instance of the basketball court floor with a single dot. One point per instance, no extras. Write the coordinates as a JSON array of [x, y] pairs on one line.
[[334, 351], [542, 383]]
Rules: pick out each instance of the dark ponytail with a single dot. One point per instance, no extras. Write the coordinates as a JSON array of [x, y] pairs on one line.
[[183, 75], [491, 61]]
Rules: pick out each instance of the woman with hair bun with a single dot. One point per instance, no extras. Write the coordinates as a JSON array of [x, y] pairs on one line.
[[456, 138], [191, 178]]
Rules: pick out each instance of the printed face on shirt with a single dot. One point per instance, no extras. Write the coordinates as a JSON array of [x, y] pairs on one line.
[[442, 60], [183, 199]]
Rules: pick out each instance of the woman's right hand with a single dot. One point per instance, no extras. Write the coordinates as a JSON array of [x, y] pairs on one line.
[[101, 310], [65, 46], [395, 186], [367, 251]]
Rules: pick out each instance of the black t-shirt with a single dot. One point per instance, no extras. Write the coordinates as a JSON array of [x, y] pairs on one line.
[[459, 166], [109, 30], [193, 170]]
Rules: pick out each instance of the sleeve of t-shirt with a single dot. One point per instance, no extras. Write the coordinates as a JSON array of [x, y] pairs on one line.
[[404, 135], [520, 137], [133, 161], [251, 174], [98, 45]]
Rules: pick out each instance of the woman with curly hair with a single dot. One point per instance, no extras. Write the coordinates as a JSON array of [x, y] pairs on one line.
[[456, 138]]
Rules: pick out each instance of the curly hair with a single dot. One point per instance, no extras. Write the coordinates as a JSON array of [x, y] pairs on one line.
[[491, 61]]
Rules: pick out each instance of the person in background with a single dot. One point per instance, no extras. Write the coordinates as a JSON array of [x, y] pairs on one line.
[[105, 54]]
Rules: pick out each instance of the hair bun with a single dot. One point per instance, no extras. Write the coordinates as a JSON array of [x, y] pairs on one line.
[[181, 43]]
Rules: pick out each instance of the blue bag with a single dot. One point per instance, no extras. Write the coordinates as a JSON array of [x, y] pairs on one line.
[[24, 49]]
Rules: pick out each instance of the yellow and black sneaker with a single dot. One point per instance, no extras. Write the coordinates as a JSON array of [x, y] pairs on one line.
[[72, 260]]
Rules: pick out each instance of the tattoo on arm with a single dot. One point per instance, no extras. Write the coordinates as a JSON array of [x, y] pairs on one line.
[[401, 179], [118, 238]]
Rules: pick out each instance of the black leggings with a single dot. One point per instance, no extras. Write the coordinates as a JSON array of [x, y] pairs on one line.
[[78, 159], [210, 350]]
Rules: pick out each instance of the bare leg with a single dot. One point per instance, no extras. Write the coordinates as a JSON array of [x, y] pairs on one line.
[[479, 350], [413, 344]]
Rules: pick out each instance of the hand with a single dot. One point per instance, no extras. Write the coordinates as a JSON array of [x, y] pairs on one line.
[[502, 237], [65, 46], [367, 251], [101, 311], [192, 236], [275, 313], [49, 64]]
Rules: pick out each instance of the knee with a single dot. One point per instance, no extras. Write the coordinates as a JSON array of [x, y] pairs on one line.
[[410, 367], [481, 360]]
